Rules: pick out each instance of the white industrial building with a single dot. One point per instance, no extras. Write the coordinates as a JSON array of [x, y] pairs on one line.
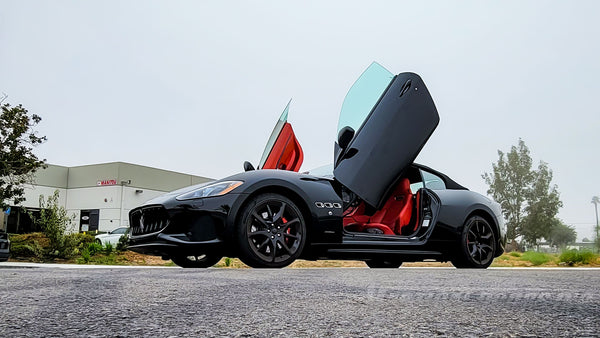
[[99, 196]]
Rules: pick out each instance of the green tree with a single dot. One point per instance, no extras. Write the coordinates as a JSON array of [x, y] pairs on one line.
[[509, 185], [562, 235], [529, 200], [543, 202], [17, 161]]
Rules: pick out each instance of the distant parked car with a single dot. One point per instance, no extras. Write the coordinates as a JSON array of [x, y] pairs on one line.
[[4, 246], [112, 237]]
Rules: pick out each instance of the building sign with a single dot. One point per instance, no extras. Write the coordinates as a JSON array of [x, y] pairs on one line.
[[106, 182]]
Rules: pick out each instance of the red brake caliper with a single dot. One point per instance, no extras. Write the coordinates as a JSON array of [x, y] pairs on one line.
[[287, 230]]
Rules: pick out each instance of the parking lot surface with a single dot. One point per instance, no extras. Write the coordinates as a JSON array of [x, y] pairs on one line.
[[51, 301]]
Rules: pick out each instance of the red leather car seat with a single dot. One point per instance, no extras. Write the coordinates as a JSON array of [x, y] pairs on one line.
[[397, 210], [395, 214]]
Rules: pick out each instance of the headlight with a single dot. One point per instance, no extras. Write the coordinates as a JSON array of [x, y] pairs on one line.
[[211, 190]]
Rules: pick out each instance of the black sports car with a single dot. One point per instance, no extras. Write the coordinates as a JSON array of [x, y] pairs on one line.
[[374, 205]]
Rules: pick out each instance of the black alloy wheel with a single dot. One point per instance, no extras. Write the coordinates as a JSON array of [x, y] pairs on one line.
[[200, 261], [478, 245], [272, 232], [383, 264]]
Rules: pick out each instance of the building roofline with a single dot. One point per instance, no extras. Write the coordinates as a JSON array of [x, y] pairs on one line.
[[129, 164]]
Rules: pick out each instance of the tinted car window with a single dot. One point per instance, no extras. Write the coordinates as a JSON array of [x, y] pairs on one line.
[[274, 135], [432, 181], [414, 187], [363, 95], [119, 231]]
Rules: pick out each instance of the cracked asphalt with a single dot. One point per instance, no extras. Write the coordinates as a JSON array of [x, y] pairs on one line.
[[298, 302]]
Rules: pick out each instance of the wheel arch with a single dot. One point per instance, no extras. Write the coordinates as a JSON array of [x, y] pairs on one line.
[[284, 191], [486, 215]]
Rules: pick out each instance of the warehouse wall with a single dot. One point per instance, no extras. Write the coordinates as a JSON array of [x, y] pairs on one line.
[[111, 188]]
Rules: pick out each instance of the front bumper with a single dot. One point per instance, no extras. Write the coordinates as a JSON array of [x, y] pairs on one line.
[[175, 244], [180, 228]]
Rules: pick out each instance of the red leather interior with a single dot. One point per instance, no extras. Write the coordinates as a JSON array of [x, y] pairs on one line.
[[395, 214], [366, 227]]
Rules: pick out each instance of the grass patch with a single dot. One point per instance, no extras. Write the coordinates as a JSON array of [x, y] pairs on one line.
[[572, 257], [101, 259], [515, 254], [504, 257], [536, 258]]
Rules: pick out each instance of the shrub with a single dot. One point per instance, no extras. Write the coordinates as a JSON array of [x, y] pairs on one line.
[[573, 257], [93, 248], [75, 243], [29, 238], [588, 257], [85, 256], [227, 261], [28, 245], [536, 258], [108, 248], [515, 254], [570, 257], [53, 220], [122, 244], [33, 249]]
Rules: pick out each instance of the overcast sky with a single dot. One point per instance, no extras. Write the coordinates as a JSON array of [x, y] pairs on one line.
[[197, 87]]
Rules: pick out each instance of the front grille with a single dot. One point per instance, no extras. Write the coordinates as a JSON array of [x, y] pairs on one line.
[[148, 220]]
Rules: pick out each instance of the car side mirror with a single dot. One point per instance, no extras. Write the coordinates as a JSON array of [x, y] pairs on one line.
[[345, 136], [248, 166]]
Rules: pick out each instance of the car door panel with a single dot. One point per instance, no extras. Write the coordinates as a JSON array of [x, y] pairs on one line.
[[389, 139], [283, 151]]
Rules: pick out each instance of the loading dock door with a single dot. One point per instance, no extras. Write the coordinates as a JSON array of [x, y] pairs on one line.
[[89, 220]]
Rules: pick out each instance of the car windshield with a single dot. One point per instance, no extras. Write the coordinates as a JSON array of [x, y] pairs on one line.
[[322, 171], [119, 231], [363, 95], [274, 135]]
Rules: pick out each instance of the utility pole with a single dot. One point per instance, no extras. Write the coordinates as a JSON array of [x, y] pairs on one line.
[[595, 201]]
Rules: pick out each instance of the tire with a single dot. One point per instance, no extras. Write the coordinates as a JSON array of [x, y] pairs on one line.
[[271, 232], [99, 241], [477, 245], [383, 264], [200, 261]]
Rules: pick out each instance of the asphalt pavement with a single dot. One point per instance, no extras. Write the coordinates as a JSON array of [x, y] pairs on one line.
[[165, 302]]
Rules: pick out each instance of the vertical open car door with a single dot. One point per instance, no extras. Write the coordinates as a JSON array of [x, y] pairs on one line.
[[398, 122], [283, 150]]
